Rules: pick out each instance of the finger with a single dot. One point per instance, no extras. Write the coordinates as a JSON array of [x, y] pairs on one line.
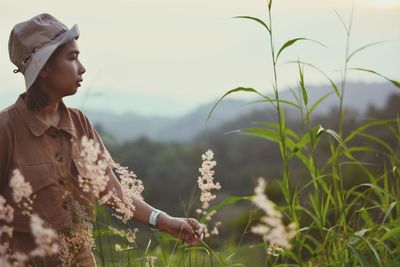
[[200, 231], [191, 225], [191, 240], [190, 236], [192, 222], [196, 230], [197, 227]]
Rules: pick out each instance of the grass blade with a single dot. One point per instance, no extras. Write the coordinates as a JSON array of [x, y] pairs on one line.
[[239, 89], [291, 42], [362, 48], [395, 83], [255, 19]]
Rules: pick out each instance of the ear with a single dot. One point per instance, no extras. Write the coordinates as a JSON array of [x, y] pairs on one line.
[[45, 71]]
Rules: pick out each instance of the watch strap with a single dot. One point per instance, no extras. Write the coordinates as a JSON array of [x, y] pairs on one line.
[[153, 218]]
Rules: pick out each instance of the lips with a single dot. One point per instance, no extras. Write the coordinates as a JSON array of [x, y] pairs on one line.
[[78, 83]]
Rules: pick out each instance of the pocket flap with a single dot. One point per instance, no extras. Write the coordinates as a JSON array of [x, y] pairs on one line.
[[80, 167], [39, 175]]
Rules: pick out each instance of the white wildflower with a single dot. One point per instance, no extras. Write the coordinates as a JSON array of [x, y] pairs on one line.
[[118, 247], [129, 234], [151, 261], [215, 230], [132, 187], [6, 230], [206, 184], [271, 227], [19, 259], [80, 236], [21, 191], [274, 250], [205, 181], [106, 197], [6, 211], [209, 215], [45, 238], [95, 166], [4, 262], [124, 209]]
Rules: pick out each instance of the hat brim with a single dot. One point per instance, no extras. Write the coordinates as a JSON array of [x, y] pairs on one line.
[[40, 57]]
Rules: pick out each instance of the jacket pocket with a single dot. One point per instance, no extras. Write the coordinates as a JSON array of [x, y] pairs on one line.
[[39, 175], [47, 197]]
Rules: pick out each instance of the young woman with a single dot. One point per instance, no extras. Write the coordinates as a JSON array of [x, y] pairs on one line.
[[40, 136]]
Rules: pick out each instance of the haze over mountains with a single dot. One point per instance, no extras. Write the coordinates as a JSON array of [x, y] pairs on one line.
[[125, 127]]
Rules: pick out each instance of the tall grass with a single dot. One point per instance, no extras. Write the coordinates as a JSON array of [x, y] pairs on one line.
[[340, 224]]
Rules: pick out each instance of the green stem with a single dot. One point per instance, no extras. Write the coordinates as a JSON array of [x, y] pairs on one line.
[[282, 127], [213, 253]]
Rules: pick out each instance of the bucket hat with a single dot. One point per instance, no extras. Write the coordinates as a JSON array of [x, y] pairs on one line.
[[32, 42]]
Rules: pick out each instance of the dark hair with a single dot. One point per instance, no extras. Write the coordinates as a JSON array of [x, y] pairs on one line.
[[36, 99]]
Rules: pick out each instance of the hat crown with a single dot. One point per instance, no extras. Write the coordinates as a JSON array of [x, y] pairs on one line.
[[29, 36]]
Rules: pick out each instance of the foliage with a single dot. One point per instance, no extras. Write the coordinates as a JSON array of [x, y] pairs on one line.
[[338, 178]]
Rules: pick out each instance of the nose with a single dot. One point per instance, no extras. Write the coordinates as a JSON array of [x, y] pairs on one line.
[[82, 69]]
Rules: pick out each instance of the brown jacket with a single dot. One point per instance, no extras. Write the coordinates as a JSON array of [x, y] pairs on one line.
[[47, 157]]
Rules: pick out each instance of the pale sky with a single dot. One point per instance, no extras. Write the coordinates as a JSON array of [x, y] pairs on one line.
[[157, 57]]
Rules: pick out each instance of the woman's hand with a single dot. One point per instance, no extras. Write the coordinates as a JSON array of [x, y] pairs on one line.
[[186, 229]]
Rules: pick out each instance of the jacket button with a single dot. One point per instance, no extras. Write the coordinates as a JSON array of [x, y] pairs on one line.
[[59, 157]]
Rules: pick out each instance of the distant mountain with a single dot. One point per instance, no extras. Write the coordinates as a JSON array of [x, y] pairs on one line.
[[358, 97]]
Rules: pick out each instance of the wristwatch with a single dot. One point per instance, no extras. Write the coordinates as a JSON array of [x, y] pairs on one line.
[[153, 218]]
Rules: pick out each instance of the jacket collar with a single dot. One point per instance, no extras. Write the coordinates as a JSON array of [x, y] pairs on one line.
[[37, 126]]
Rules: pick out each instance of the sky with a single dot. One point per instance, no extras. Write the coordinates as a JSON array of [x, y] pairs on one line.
[[165, 58]]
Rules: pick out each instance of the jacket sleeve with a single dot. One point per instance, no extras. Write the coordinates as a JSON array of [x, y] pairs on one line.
[[113, 183], [6, 148]]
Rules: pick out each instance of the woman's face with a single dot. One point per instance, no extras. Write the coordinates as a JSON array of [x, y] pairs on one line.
[[63, 71]]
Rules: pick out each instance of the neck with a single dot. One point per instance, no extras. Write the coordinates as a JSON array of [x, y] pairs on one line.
[[44, 104], [50, 110], [50, 114]]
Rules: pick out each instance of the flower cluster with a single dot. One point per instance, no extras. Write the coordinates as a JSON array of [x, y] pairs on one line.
[[151, 261], [6, 232], [272, 228], [80, 236], [97, 164], [131, 187], [95, 167], [6, 211], [97, 179], [129, 235], [206, 184], [21, 191], [45, 238], [7, 215], [205, 181], [70, 243]]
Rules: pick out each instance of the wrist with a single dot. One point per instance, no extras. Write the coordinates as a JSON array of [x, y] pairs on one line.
[[163, 221]]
